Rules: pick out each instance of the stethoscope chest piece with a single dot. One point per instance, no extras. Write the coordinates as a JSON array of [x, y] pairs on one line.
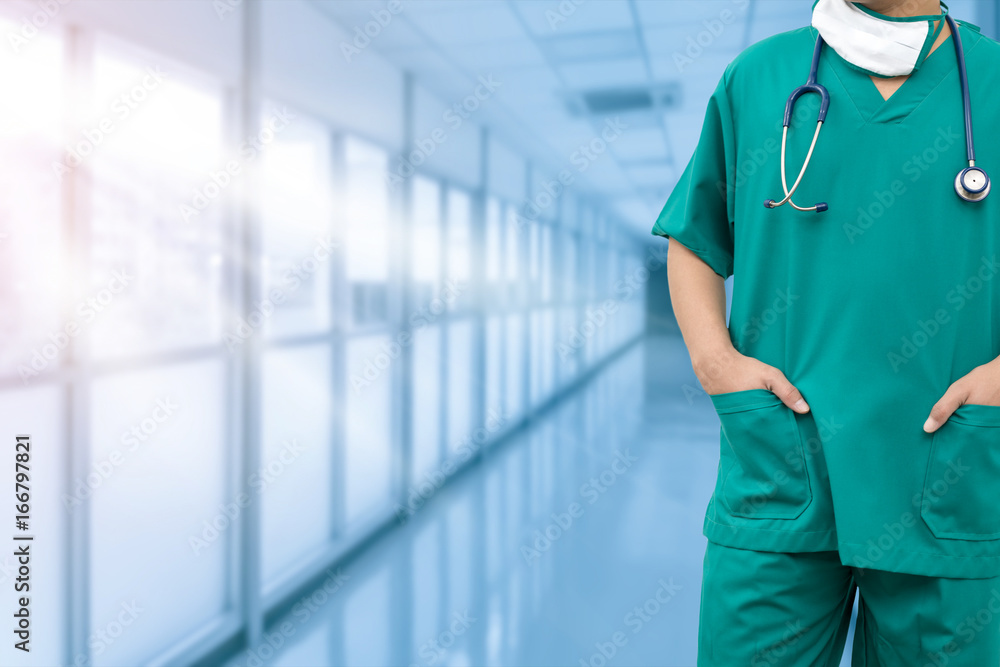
[[972, 184]]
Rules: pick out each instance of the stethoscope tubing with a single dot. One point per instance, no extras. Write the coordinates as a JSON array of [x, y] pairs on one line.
[[811, 86], [963, 187], [802, 172], [963, 79]]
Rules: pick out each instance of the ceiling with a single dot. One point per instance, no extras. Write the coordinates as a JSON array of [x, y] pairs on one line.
[[568, 65]]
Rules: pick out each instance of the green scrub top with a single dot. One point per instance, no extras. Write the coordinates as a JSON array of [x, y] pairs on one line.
[[872, 308]]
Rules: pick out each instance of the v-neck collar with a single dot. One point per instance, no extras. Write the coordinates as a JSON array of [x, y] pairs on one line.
[[874, 108]]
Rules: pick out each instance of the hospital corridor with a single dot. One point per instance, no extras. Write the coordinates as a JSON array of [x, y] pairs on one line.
[[335, 334], [566, 537]]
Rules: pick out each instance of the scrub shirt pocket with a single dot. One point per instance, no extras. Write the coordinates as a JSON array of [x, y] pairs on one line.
[[763, 473], [962, 484]]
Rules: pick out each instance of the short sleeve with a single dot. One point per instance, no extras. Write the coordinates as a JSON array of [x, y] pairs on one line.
[[698, 210]]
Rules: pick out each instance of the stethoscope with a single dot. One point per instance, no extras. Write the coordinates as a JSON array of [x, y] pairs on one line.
[[971, 184]]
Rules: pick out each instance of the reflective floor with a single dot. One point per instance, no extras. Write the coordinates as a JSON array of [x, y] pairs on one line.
[[577, 543]]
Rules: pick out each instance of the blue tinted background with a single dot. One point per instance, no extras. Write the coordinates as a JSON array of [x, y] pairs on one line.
[[339, 331]]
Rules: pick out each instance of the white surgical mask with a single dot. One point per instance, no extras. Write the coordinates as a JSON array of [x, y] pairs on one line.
[[884, 46]]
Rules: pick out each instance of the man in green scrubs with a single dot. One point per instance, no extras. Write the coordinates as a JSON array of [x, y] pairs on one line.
[[858, 380]]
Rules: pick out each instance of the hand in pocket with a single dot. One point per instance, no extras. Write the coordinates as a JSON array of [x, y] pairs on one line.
[[731, 371], [980, 387]]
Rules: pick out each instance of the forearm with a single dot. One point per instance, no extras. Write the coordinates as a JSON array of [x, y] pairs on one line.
[[698, 296]]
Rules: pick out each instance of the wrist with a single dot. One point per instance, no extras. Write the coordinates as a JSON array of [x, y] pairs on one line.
[[708, 359]]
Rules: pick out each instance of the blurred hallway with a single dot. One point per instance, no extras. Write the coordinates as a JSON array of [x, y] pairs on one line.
[[274, 267], [625, 464]]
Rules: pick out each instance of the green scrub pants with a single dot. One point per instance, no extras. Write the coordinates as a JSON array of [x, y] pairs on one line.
[[763, 609]]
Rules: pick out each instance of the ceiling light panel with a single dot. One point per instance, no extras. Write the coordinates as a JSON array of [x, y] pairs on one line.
[[593, 46]]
